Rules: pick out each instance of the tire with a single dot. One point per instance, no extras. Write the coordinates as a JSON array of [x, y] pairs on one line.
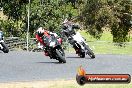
[[5, 48], [61, 57], [90, 53], [82, 55]]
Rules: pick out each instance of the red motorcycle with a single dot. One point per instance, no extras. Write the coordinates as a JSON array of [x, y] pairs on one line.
[[54, 48]]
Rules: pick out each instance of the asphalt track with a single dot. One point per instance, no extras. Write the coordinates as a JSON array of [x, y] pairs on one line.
[[32, 66]]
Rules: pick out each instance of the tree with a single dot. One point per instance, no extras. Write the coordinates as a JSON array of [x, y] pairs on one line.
[[46, 13], [14, 10], [111, 13], [49, 14]]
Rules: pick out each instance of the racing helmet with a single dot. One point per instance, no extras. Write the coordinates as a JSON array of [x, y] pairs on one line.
[[64, 24], [40, 31]]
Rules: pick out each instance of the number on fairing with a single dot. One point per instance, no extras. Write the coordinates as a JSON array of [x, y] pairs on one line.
[[52, 43]]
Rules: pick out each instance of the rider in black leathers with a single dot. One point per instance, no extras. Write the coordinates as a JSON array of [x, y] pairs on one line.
[[68, 29]]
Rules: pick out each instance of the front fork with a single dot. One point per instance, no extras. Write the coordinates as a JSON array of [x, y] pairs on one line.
[[88, 49]]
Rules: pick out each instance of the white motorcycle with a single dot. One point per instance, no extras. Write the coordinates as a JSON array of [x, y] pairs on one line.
[[81, 46], [76, 40], [3, 46]]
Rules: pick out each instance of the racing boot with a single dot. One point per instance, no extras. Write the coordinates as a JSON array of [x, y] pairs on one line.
[[77, 51]]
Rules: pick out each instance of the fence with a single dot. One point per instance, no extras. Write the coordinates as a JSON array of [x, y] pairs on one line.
[[15, 42], [103, 47]]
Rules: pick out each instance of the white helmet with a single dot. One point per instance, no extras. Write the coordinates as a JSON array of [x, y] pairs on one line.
[[40, 30]]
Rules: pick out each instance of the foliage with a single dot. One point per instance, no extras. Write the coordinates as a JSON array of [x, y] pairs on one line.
[[115, 14], [14, 10], [94, 14], [49, 14], [46, 13]]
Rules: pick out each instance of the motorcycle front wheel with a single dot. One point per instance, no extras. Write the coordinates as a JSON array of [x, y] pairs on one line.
[[90, 53], [61, 56], [5, 48]]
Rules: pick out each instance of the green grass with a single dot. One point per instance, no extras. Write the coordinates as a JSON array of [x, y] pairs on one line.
[[105, 44], [110, 48], [106, 36]]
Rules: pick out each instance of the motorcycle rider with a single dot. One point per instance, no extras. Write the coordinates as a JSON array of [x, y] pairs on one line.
[[68, 30], [40, 33], [69, 26]]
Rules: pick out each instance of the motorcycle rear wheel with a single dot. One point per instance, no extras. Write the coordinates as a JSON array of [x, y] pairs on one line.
[[82, 55]]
